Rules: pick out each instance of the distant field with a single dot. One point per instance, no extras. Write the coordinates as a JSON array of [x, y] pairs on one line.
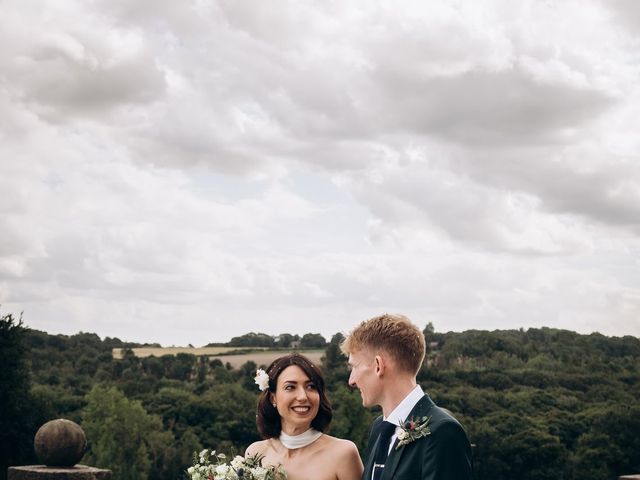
[[260, 357], [143, 352], [265, 358]]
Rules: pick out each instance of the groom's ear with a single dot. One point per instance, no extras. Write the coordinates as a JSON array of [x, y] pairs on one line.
[[380, 365]]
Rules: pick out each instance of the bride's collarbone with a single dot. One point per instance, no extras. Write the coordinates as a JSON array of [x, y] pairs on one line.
[[317, 448], [304, 452]]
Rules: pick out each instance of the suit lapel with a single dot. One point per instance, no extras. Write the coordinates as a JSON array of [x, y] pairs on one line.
[[393, 460], [421, 409], [368, 468]]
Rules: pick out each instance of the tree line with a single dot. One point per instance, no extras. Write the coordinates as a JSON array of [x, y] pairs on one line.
[[284, 340], [537, 404]]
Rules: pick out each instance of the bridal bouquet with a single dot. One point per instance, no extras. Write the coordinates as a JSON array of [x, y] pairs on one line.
[[208, 465]]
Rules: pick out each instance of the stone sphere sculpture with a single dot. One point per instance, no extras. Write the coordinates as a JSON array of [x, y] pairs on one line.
[[60, 443]]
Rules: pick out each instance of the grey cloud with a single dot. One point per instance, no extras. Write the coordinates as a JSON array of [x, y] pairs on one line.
[[465, 212], [344, 156], [282, 27], [520, 204], [607, 192], [469, 201], [161, 16], [73, 67], [626, 12], [484, 108], [60, 86], [595, 194]]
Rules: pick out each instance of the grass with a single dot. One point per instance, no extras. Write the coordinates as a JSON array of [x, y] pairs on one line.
[[268, 356], [259, 355], [143, 352]]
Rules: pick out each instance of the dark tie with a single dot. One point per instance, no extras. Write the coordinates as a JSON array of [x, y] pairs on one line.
[[386, 432]]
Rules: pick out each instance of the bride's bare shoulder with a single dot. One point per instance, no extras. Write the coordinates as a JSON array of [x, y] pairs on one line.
[[341, 445], [346, 458], [259, 447]]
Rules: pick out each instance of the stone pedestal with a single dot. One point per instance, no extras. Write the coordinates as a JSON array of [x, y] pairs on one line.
[[41, 472], [59, 444]]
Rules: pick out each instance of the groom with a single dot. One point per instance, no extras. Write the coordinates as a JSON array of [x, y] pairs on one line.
[[385, 354]]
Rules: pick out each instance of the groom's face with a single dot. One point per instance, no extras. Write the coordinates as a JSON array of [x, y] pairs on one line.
[[363, 375]]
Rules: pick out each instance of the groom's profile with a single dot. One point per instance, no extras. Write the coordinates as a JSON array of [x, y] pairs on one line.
[[414, 438]]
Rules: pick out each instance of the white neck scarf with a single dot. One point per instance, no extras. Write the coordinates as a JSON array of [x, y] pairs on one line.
[[298, 441]]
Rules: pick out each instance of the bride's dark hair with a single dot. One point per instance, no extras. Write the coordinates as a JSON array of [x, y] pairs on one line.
[[267, 416]]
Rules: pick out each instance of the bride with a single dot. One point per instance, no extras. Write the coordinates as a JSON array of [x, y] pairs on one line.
[[293, 412]]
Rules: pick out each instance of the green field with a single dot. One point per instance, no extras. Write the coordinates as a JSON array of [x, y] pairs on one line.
[[259, 355], [266, 357], [143, 352]]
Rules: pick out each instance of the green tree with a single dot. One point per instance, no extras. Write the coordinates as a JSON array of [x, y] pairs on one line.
[[611, 445], [153, 366], [513, 446], [253, 339], [246, 374], [312, 340], [180, 366], [350, 419], [541, 403], [175, 455], [224, 417], [284, 340], [122, 435], [17, 424], [595, 457], [334, 363], [428, 331], [168, 403]]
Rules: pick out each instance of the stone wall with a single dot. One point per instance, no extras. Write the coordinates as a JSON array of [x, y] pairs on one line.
[[41, 472]]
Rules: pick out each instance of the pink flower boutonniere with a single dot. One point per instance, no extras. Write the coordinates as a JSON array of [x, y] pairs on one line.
[[412, 430]]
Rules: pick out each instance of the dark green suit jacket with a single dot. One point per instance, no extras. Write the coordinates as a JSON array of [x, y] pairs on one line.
[[445, 454]]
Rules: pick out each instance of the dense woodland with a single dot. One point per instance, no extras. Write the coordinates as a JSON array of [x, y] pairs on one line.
[[537, 404]]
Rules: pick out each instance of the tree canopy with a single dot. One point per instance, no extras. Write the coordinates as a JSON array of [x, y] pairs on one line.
[[537, 404]]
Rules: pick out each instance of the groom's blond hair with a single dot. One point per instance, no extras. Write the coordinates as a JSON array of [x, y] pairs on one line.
[[393, 334]]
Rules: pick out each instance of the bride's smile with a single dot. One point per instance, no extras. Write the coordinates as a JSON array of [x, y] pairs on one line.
[[297, 400], [302, 409]]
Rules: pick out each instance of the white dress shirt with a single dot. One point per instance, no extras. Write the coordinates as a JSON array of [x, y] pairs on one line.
[[402, 411]]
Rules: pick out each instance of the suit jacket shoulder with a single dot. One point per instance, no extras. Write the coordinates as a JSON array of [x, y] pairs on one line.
[[444, 454]]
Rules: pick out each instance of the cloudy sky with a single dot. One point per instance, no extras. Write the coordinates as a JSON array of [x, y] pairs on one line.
[[184, 172]]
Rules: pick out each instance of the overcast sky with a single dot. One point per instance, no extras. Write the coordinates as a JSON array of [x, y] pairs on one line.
[[187, 171]]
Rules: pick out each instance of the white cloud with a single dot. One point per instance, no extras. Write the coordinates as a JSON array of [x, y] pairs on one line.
[[175, 172]]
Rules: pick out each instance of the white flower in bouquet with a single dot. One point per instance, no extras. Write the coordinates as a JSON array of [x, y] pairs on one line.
[[222, 470], [260, 473], [211, 466]]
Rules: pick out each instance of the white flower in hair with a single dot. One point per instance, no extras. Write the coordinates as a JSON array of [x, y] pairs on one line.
[[262, 380]]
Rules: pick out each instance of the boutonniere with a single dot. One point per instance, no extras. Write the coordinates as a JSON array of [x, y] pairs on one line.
[[412, 430]]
